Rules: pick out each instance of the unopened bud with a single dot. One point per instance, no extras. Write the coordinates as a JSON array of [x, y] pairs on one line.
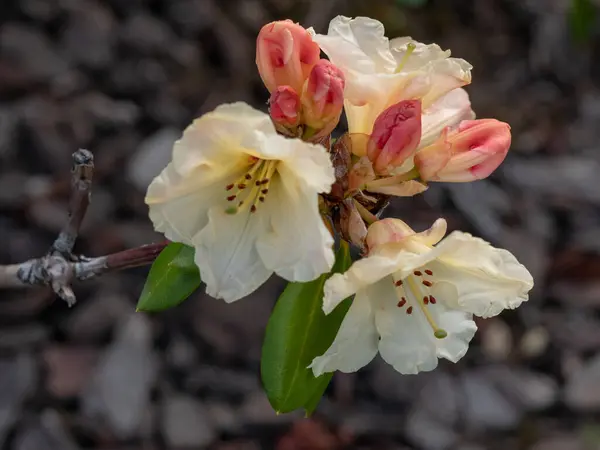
[[471, 152], [285, 54], [395, 136], [284, 107], [323, 97]]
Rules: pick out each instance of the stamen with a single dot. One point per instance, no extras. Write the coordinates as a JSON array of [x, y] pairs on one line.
[[409, 49], [261, 171], [416, 292]]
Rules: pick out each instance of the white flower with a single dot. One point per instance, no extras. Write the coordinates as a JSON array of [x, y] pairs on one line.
[[246, 199], [414, 302], [380, 73]]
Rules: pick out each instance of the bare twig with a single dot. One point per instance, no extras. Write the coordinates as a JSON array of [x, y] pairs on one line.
[[81, 183], [59, 267]]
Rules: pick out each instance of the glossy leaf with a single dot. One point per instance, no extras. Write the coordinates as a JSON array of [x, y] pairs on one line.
[[172, 278], [297, 332]]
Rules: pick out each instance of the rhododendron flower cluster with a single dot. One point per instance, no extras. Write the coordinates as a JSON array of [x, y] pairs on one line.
[[256, 193]]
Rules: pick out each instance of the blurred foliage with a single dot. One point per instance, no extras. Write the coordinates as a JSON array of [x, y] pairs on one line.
[[411, 3], [582, 15]]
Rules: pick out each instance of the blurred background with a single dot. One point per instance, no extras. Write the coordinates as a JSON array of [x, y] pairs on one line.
[[123, 77]]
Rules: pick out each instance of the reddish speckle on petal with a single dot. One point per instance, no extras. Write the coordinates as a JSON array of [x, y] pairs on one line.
[[402, 302], [398, 283], [409, 310], [429, 272], [427, 283], [425, 300], [432, 300], [417, 273]]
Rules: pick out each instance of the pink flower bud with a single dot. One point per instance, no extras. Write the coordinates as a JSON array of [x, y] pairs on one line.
[[395, 136], [284, 107], [285, 54], [471, 152], [323, 97]]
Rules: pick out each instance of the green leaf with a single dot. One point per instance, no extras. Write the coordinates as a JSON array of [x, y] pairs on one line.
[[172, 278], [582, 15], [297, 332]]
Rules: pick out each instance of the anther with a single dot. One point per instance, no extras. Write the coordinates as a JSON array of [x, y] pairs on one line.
[[425, 300], [432, 300], [264, 191], [253, 208], [229, 187], [261, 199], [398, 283], [409, 310], [402, 302], [265, 181], [427, 283], [241, 186], [248, 176], [231, 198], [417, 273], [429, 272]]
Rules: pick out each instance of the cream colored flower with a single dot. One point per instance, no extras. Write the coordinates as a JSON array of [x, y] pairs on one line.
[[246, 199], [380, 73], [414, 302]]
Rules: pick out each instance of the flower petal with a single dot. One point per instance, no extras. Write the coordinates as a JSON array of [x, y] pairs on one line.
[[357, 44], [488, 280], [214, 142], [178, 206], [298, 246], [226, 253], [420, 55], [361, 274], [407, 339], [355, 344], [308, 164], [447, 111]]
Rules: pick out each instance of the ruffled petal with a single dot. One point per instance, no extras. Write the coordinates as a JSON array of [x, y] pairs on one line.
[[355, 344], [226, 253], [357, 44], [407, 339], [488, 280], [298, 246], [421, 55]]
